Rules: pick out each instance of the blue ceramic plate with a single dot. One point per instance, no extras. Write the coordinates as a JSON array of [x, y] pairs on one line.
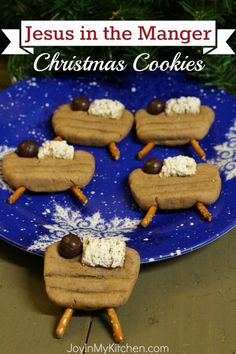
[[36, 220]]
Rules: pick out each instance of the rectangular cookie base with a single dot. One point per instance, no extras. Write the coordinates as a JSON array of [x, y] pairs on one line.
[[69, 283]]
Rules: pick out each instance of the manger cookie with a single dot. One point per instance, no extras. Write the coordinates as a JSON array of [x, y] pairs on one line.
[[179, 121], [103, 122], [53, 167], [178, 183], [100, 275]]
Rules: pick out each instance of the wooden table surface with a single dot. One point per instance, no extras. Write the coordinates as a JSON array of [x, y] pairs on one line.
[[186, 305]]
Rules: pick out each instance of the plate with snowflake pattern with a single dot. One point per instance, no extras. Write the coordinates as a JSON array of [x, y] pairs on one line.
[[36, 220]]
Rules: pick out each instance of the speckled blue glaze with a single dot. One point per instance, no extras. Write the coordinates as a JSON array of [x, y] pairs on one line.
[[38, 219]]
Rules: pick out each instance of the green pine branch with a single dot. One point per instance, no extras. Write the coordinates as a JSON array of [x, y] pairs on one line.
[[219, 70]]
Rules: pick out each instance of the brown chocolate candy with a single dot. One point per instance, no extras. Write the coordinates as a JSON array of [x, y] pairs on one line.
[[155, 107], [27, 148], [152, 166], [70, 246], [80, 104]]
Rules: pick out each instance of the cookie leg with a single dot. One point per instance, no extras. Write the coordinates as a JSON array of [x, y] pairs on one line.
[[114, 151], [116, 326], [149, 216], [197, 148], [203, 211], [147, 148], [16, 195], [58, 138], [79, 194], [64, 322]]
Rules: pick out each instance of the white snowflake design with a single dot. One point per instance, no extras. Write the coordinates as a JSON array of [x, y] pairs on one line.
[[66, 220], [4, 149], [226, 154]]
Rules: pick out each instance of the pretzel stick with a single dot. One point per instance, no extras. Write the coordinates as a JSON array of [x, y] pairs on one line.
[[16, 195], [147, 148], [58, 138], [116, 326], [203, 211], [64, 322], [149, 215], [79, 194], [114, 151], [198, 149]]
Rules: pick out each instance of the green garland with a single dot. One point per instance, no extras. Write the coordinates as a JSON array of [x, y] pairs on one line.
[[220, 70]]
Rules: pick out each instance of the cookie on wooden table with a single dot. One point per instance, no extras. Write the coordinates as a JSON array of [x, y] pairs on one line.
[[96, 274]]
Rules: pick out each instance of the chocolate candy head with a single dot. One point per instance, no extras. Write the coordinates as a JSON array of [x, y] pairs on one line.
[[152, 166], [80, 104], [70, 246], [155, 107], [27, 148]]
